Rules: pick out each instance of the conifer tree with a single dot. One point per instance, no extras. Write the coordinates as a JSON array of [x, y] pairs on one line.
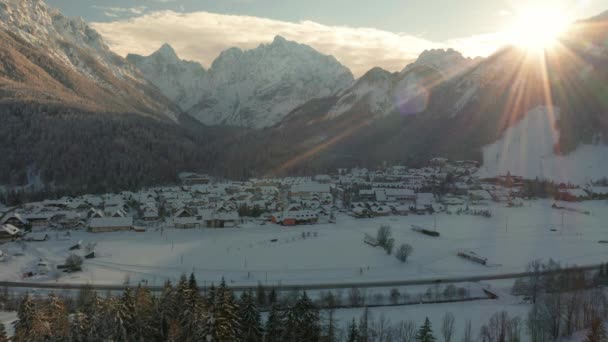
[[192, 283], [30, 324], [3, 336], [57, 316], [425, 334], [144, 307], [274, 325], [302, 321], [353, 332], [251, 322], [226, 317], [126, 311], [166, 315], [597, 332], [272, 297], [78, 327], [112, 313], [260, 295], [364, 326]]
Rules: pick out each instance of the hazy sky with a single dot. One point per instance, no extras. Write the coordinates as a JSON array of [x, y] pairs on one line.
[[360, 33]]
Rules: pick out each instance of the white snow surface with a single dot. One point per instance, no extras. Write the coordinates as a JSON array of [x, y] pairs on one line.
[[7, 318], [528, 149], [510, 239]]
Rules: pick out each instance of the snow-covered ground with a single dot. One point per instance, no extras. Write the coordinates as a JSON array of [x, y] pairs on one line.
[[7, 318], [510, 239]]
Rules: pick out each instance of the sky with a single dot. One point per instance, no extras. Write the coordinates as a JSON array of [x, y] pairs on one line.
[[361, 34]]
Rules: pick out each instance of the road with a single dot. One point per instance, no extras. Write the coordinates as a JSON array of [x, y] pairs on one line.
[[279, 287]]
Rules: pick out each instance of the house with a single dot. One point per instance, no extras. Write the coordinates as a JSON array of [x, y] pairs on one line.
[[110, 224], [400, 195], [222, 220], [40, 219], [95, 213], [115, 211], [8, 232], [479, 195], [307, 189], [598, 192], [187, 222], [424, 203], [292, 218], [194, 178], [151, 214], [15, 219], [571, 195]]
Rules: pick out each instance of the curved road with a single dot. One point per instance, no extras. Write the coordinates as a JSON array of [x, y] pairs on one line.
[[324, 286]]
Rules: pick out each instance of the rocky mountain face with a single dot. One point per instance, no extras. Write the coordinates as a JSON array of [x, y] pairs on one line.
[[253, 88], [74, 58], [183, 82]]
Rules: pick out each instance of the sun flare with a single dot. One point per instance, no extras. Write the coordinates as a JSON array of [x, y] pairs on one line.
[[538, 29]]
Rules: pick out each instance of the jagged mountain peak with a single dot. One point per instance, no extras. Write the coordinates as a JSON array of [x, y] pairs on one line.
[[448, 61], [279, 40], [166, 51], [252, 88]]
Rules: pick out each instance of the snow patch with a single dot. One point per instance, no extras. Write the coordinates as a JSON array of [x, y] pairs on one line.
[[528, 149]]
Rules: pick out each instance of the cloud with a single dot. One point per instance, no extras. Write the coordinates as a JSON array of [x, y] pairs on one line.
[[115, 12], [201, 36]]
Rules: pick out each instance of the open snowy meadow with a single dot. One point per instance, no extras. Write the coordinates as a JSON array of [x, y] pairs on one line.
[[328, 253]]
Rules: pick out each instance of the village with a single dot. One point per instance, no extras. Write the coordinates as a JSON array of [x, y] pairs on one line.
[[360, 200]]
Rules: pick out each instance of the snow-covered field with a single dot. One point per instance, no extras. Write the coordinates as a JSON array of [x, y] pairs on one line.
[[247, 255]]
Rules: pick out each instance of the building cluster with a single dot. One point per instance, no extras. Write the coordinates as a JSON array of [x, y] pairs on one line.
[[203, 202]]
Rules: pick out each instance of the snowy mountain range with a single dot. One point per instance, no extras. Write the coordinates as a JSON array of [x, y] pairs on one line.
[[60, 85], [253, 88]]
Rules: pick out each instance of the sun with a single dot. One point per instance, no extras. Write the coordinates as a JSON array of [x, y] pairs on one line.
[[537, 28]]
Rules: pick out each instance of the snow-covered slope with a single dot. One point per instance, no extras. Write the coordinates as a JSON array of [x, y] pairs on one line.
[[181, 81], [381, 93], [449, 62], [253, 88], [529, 149], [46, 27], [74, 55]]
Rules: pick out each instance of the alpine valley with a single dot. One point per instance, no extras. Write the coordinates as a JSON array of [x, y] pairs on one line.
[[77, 117]]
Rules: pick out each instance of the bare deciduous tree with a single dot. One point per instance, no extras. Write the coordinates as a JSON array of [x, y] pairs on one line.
[[447, 327]]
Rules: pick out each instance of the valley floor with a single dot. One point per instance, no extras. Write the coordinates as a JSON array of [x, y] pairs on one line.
[[331, 253]]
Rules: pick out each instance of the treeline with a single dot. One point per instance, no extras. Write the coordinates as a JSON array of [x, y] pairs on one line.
[[183, 312], [73, 152], [564, 299]]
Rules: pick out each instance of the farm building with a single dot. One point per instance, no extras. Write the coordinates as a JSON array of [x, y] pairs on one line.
[[400, 195], [187, 222], [15, 219], [222, 220], [40, 219], [8, 232], [571, 195], [292, 218], [110, 224]]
